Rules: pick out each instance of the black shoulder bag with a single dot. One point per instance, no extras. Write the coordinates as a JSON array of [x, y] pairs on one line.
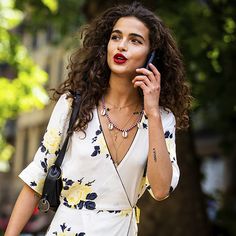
[[50, 198]]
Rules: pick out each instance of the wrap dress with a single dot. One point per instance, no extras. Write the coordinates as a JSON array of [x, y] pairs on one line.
[[98, 198]]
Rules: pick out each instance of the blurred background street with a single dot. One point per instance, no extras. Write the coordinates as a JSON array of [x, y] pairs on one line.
[[36, 40]]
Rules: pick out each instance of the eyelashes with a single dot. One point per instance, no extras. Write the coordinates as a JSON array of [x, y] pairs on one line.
[[114, 37], [133, 40], [136, 41]]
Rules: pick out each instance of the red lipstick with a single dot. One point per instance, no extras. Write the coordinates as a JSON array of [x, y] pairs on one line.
[[120, 58]]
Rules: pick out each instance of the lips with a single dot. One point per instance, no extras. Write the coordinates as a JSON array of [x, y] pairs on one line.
[[120, 58]]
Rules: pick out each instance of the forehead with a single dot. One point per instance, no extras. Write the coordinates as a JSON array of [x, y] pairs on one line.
[[131, 24]]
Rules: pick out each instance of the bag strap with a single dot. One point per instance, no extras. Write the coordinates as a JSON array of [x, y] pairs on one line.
[[74, 115]]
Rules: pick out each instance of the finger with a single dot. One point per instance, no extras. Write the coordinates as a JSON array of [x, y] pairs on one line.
[[145, 79], [154, 70], [156, 73], [145, 89], [140, 84], [146, 72], [150, 85]]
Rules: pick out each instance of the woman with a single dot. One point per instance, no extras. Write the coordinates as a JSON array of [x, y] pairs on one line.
[[124, 138]]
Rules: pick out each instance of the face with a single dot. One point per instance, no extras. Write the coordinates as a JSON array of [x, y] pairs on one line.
[[128, 47]]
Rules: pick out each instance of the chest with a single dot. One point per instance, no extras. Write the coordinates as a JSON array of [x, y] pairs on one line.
[[119, 132]]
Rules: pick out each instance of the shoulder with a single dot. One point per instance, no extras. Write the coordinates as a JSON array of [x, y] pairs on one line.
[[65, 98], [61, 109], [64, 102]]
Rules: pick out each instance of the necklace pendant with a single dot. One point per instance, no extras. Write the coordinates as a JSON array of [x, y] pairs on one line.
[[139, 125], [103, 112], [110, 126], [124, 134]]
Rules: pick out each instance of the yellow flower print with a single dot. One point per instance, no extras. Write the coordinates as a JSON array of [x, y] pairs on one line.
[[102, 144], [51, 140], [142, 186], [62, 234], [142, 183], [124, 213], [76, 193], [47, 162], [66, 234], [51, 161], [39, 187]]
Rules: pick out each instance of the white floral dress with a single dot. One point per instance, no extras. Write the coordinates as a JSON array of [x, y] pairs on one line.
[[98, 198]]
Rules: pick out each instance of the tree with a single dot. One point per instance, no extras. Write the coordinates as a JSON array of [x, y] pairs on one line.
[[62, 22], [21, 80], [205, 31], [209, 49]]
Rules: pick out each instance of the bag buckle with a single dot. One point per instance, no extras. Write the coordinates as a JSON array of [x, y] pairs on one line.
[[55, 171], [43, 205]]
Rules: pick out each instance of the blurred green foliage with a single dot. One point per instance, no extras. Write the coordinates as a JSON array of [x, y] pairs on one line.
[[25, 90], [206, 34], [66, 19], [51, 4]]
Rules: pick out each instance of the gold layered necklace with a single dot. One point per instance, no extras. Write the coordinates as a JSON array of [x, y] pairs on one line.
[[119, 108], [115, 131], [112, 125]]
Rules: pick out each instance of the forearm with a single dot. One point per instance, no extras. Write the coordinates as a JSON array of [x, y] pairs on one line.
[[159, 168], [22, 211]]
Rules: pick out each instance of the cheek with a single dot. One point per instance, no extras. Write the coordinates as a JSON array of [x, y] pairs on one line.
[[141, 59], [109, 52], [110, 47]]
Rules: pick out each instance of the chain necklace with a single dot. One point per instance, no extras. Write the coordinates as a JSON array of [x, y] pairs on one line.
[[116, 148], [117, 131], [117, 107], [111, 124]]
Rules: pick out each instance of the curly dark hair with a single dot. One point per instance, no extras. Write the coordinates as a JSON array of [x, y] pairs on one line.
[[89, 72]]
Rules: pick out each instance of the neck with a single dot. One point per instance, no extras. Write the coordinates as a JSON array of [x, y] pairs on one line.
[[122, 92]]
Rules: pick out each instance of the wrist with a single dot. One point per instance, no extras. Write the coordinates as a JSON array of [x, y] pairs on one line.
[[154, 113]]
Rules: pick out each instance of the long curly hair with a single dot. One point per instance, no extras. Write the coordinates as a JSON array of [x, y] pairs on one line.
[[89, 72]]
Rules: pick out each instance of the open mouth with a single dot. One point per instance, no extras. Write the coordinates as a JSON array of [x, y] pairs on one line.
[[120, 58]]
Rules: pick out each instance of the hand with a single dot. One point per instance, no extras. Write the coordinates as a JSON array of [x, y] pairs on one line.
[[150, 83]]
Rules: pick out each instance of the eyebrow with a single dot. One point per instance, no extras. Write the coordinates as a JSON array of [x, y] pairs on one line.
[[131, 34]]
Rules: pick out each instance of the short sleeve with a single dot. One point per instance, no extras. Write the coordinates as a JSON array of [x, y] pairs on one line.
[[34, 174], [169, 126]]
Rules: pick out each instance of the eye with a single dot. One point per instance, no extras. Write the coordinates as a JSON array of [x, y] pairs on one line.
[[115, 37], [136, 41]]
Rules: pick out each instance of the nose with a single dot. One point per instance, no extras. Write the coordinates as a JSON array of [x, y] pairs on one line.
[[122, 46]]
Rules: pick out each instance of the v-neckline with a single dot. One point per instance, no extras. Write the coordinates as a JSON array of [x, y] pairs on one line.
[[107, 147]]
